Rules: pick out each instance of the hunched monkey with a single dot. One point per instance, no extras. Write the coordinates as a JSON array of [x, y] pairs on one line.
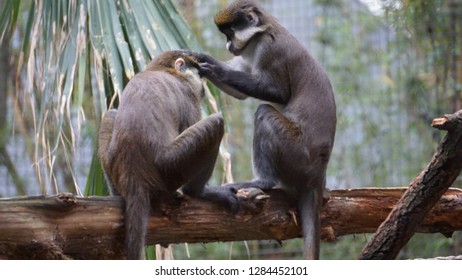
[[294, 135], [156, 143]]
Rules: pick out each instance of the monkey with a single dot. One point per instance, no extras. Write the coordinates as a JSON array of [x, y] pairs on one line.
[[294, 131], [156, 143]]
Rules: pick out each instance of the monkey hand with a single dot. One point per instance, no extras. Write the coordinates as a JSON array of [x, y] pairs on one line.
[[209, 70], [199, 57], [196, 56], [207, 65], [226, 197]]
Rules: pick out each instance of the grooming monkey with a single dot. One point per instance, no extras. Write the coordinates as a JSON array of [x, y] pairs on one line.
[[156, 143], [294, 135]]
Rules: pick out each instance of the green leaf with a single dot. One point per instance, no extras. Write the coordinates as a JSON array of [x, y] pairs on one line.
[[96, 184], [6, 17], [27, 31], [150, 252], [138, 48], [101, 32], [145, 27], [118, 36], [182, 31]]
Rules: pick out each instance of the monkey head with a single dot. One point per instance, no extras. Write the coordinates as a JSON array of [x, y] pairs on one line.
[[240, 22], [179, 64]]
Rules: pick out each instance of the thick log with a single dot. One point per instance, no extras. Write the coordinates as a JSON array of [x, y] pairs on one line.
[[63, 226], [423, 193]]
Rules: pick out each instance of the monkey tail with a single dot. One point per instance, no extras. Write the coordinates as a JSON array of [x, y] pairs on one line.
[[309, 205], [137, 211]]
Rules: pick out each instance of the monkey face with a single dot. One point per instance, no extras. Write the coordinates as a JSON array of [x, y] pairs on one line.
[[240, 25]]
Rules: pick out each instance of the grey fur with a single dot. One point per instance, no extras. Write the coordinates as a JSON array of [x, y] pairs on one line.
[[293, 136]]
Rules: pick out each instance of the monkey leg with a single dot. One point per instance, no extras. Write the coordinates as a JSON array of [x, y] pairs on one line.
[[197, 187], [192, 152], [281, 154], [278, 151]]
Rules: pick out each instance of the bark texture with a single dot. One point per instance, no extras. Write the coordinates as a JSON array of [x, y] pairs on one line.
[[63, 226]]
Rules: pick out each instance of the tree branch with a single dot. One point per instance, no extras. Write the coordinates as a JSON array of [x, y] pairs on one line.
[[423, 193], [63, 226]]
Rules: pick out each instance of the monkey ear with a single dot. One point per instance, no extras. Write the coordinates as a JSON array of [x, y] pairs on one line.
[[180, 64]]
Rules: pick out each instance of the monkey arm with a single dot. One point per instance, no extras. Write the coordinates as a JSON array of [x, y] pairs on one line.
[[231, 78], [228, 89], [224, 87]]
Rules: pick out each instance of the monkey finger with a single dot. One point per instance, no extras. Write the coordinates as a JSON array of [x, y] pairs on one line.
[[205, 69]]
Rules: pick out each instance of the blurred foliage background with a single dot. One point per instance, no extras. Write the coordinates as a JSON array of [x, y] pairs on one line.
[[394, 64]]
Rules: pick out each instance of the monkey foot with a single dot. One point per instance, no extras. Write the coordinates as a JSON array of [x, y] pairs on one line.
[[252, 199]]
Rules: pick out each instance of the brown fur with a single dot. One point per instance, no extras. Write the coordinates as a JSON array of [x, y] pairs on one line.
[[156, 143]]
